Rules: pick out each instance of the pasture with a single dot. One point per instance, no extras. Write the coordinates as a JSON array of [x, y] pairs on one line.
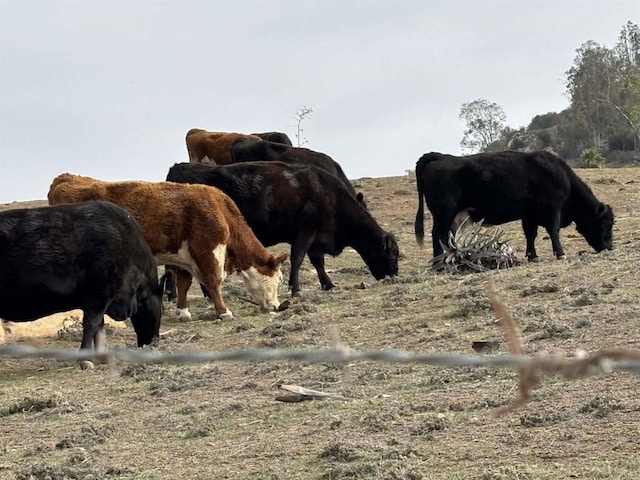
[[399, 421]]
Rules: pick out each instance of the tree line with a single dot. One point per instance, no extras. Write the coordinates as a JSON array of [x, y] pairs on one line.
[[602, 122]]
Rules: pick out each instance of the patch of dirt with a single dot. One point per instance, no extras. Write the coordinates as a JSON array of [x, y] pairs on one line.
[[57, 324]]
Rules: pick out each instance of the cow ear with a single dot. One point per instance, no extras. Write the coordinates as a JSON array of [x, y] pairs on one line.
[[602, 210], [389, 242], [360, 197], [279, 260]]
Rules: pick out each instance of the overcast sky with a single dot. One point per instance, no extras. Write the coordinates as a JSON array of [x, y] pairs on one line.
[[108, 89]]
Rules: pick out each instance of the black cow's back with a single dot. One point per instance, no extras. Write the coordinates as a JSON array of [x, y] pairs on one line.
[[275, 198], [244, 150]]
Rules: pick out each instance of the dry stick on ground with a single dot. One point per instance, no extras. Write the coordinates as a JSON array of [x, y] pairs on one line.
[[529, 373], [301, 393]]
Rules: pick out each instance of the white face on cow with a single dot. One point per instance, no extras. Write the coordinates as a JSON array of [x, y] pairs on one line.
[[263, 288]]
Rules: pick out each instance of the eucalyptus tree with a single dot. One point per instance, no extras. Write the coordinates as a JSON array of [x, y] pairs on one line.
[[485, 123]]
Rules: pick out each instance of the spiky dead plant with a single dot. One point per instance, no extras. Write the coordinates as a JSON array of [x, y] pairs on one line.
[[474, 248]]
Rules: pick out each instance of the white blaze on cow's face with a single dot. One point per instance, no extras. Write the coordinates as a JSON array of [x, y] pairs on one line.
[[263, 288]]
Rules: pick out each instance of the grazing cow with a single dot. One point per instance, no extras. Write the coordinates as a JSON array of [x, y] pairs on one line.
[[304, 206], [195, 227], [248, 150], [537, 188], [212, 148], [90, 256], [277, 137]]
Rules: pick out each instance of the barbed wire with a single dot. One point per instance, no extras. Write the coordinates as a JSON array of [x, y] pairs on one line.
[[530, 367], [580, 365]]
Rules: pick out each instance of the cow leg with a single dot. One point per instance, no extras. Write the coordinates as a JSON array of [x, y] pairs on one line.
[[317, 260], [212, 270], [169, 282], [553, 229], [440, 232], [183, 283], [92, 324], [218, 302], [100, 338], [530, 232], [299, 248], [205, 292]]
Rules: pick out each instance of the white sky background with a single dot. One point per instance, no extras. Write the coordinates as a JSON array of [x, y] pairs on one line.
[[108, 89]]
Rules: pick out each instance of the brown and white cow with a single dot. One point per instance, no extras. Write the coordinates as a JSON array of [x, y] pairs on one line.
[[212, 148], [195, 227]]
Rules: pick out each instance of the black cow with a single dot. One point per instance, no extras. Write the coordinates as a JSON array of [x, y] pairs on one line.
[[246, 150], [89, 256], [537, 188], [304, 206], [277, 137]]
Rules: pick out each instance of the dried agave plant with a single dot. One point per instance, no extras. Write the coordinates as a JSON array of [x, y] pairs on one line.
[[474, 248]]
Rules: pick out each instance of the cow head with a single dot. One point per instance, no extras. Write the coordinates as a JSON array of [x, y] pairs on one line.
[[382, 257], [147, 312], [598, 232], [262, 283]]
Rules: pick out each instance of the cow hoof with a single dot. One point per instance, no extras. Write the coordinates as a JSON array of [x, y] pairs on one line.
[[184, 315], [86, 365], [533, 259], [562, 257], [283, 306], [297, 293], [226, 315]]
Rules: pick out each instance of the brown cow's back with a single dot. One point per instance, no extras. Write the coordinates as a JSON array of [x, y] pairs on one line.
[[212, 148], [163, 208]]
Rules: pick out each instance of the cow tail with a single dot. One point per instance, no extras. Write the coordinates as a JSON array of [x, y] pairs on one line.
[[419, 223]]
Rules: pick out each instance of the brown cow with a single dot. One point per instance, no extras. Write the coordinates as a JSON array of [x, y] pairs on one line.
[[212, 148], [195, 227]]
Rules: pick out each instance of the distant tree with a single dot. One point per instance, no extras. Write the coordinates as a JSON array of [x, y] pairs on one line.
[[627, 51], [507, 140], [604, 86], [546, 120], [586, 82], [484, 123], [301, 115]]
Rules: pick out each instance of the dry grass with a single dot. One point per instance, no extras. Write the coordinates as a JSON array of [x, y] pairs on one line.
[[401, 422], [56, 324]]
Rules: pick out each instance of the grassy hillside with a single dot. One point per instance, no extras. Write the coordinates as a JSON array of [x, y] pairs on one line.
[[400, 421]]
